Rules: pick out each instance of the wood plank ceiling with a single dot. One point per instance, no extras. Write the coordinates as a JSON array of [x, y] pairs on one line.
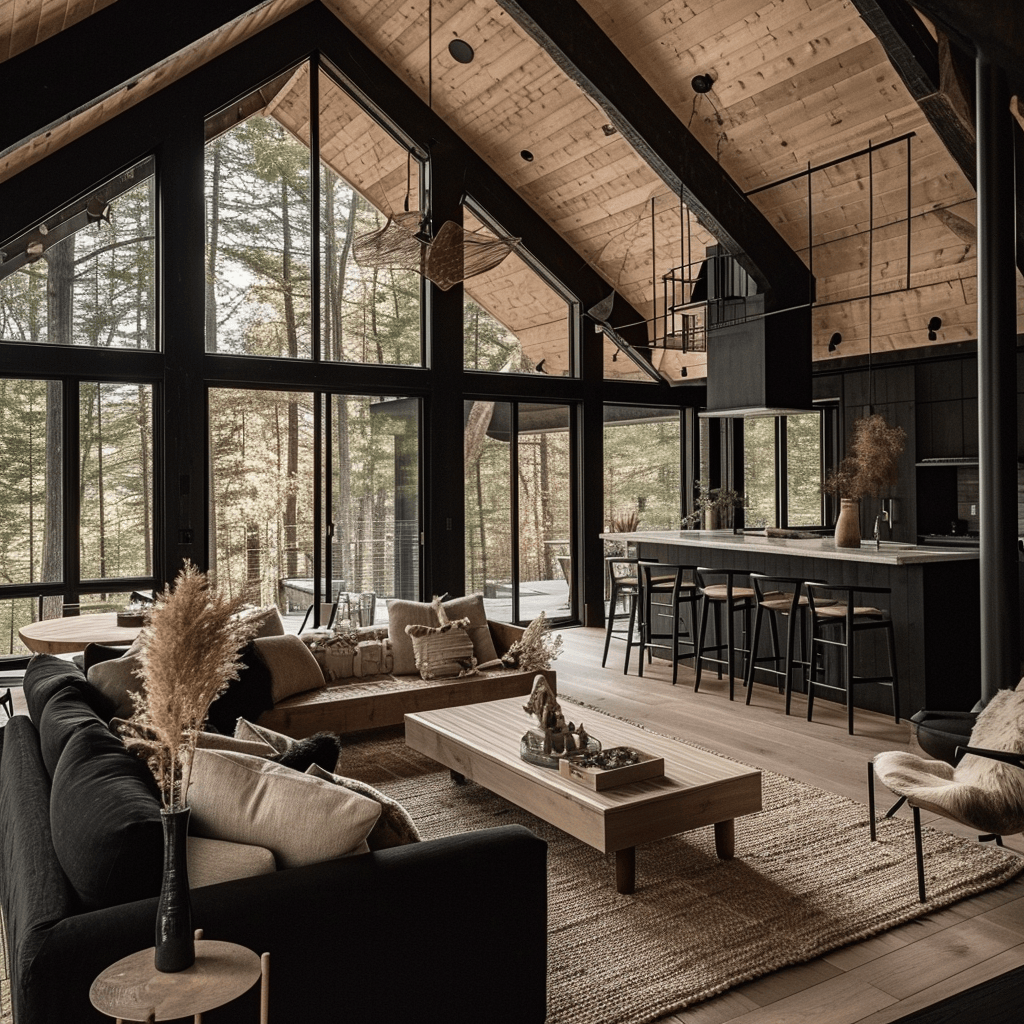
[[797, 84]]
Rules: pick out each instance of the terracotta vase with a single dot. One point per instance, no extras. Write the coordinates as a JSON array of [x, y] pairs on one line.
[[848, 523], [175, 939]]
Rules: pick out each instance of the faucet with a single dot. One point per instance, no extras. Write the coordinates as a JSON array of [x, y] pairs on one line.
[[883, 516]]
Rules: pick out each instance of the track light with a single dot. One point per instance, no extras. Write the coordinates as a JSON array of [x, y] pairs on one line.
[[933, 325], [835, 341], [701, 83]]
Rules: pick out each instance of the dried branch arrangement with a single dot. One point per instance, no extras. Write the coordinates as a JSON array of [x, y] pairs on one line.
[[872, 459], [535, 649], [188, 652]]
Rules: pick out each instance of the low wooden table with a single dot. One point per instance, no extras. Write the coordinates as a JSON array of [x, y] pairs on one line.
[[75, 632], [481, 742]]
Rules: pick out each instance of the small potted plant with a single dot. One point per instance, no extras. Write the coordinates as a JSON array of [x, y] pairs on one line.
[[871, 463], [714, 507]]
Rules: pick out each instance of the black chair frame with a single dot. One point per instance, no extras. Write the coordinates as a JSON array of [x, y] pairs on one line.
[[677, 583], [622, 586], [743, 602]]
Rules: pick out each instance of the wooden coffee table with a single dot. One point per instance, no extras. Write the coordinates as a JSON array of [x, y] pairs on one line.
[[481, 742]]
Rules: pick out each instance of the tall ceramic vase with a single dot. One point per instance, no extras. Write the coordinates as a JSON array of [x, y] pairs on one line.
[[848, 523], [175, 940]]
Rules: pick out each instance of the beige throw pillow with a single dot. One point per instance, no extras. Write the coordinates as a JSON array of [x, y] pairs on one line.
[[218, 741], [116, 679], [292, 668], [247, 731], [299, 818], [419, 613], [267, 620]]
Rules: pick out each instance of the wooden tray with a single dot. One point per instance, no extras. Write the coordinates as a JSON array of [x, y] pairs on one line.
[[649, 767]]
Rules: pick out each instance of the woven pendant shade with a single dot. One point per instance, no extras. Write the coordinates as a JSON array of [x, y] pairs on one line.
[[454, 255]]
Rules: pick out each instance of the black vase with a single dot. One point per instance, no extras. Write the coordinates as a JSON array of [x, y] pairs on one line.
[[175, 940]]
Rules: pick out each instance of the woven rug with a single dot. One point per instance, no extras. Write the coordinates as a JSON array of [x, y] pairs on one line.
[[805, 880]]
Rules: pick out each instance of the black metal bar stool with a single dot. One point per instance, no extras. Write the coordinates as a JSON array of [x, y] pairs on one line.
[[851, 620], [625, 583], [678, 584], [718, 590], [779, 596]]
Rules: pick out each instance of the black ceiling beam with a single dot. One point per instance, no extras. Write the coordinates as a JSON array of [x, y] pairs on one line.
[[940, 75], [98, 55], [583, 51]]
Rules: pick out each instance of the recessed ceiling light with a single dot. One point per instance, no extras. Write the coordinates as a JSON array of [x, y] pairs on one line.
[[461, 51], [526, 155], [609, 129]]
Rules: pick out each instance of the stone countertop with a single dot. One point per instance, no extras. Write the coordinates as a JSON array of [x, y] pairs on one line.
[[888, 553]]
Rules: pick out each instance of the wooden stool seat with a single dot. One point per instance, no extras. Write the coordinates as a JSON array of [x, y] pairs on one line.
[[714, 597], [678, 585]]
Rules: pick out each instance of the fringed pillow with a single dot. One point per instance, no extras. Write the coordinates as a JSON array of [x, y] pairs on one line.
[[444, 651]]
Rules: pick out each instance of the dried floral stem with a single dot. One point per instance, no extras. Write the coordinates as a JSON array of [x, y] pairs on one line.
[[188, 652], [872, 459]]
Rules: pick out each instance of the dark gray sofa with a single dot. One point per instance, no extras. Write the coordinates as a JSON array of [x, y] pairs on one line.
[[448, 929]]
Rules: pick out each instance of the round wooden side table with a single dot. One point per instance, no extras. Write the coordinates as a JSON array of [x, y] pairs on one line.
[[134, 990]]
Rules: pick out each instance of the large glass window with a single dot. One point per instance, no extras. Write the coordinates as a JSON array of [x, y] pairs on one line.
[[259, 273], [760, 472], [116, 480], [642, 487], [515, 321], [519, 501], [86, 275]]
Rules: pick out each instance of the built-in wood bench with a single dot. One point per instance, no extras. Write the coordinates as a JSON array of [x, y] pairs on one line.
[[371, 703]]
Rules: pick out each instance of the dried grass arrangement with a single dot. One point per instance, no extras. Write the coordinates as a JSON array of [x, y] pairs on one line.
[[535, 649], [872, 459], [188, 652]]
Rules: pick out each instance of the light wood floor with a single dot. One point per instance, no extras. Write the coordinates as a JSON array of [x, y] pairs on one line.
[[875, 981]]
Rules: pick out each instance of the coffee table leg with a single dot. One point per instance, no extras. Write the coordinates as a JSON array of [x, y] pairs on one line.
[[625, 870], [457, 777], [725, 839]]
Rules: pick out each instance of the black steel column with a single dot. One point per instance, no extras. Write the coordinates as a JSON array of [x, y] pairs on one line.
[[997, 376]]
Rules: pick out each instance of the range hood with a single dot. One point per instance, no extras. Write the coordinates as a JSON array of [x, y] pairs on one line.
[[759, 364]]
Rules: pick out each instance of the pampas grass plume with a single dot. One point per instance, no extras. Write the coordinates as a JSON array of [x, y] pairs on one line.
[[189, 655]]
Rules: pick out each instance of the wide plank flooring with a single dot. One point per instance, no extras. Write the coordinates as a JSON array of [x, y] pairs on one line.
[[880, 980]]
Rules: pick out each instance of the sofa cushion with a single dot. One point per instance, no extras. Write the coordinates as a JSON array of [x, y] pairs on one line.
[[248, 696], [95, 653], [219, 741], [266, 621], [116, 679], [64, 714], [322, 748], [292, 667], [419, 613], [213, 860], [394, 826], [46, 675], [105, 818], [299, 818]]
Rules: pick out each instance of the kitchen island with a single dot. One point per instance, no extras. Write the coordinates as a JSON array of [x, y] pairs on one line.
[[935, 602]]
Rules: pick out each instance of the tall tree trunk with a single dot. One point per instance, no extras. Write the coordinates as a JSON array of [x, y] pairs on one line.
[[60, 258], [213, 220], [291, 502]]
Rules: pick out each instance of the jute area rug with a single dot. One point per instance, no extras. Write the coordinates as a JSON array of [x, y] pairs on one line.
[[805, 880]]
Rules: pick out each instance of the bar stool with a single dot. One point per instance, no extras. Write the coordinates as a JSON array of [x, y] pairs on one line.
[[779, 596], [716, 595], [851, 620], [625, 583], [677, 583]]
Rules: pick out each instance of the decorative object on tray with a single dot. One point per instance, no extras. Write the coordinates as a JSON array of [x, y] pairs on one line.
[[536, 649], [188, 654], [552, 738], [133, 614], [443, 651], [871, 464], [615, 766]]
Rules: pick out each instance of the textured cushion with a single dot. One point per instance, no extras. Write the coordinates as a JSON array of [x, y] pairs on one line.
[[218, 741], [322, 748], [985, 794], [419, 613], [442, 652], [266, 620], [64, 714], [299, 818], [95, 653], [246, 730], [292, 667], [46, 675], [248, 696], [213, 860], [394, 826], [105, 818], [117, 679]]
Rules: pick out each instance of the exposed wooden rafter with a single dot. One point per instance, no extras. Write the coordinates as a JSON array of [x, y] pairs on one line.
[[586, 54]]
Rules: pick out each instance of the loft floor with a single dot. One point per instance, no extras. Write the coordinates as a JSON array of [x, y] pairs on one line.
[[884, 979]]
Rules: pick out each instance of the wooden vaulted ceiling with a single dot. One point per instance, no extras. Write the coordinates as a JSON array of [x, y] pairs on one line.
[[797, 84]]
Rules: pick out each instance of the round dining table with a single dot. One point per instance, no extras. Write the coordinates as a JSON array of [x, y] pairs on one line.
[[75, 633]]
